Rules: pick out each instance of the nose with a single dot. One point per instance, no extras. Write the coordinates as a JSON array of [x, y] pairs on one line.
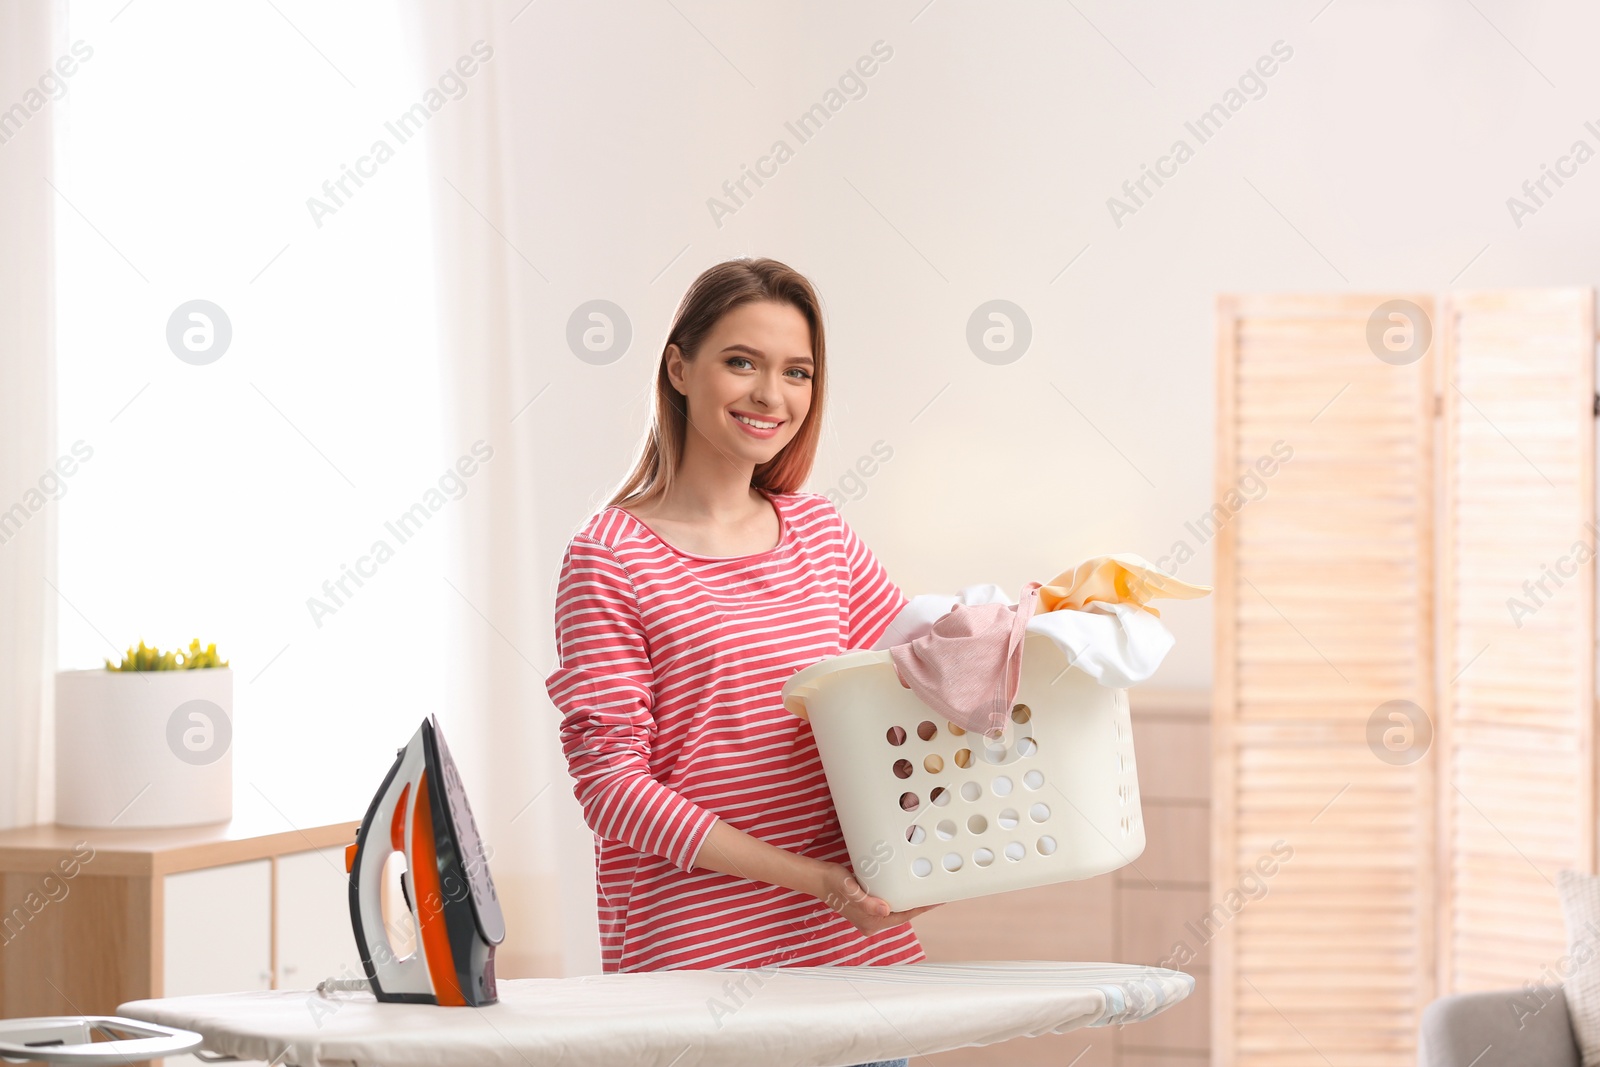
[[765, 390]]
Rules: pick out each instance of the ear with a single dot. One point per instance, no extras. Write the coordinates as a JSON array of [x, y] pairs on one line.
[[674, 357]]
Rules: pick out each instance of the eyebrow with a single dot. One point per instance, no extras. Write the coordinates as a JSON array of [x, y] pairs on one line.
[[807, 360]]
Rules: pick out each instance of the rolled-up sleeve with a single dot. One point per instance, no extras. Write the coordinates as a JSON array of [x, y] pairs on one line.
[[874, 598], [604, 688]]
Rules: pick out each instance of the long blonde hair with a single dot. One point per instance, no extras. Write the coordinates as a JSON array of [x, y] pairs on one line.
[[714, 293]]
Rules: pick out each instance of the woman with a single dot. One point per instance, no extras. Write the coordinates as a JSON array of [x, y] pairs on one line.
[[682, 608]]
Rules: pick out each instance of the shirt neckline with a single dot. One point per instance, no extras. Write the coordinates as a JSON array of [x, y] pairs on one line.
[[783, 534]]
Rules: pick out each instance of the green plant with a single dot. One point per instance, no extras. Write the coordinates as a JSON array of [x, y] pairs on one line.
[[150, 659]]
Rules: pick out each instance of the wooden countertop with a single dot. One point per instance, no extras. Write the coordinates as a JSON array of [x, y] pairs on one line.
[[258, 830]]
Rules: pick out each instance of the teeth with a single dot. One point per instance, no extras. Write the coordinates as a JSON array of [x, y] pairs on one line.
[[757, 425]]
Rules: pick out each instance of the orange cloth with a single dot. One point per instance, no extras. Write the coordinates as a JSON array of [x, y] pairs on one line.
[[1120, 579]]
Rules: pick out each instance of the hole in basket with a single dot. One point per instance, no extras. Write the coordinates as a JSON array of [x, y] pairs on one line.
[[1008, 819], [1033, 780], [940, 795], [1027, 746], [952, 861], [1039, 812], [1122, 764], [916, 834], [994, 753], [934, 763], [1126, 825], [896, 735], [1021, 713], [983, 857], [1001, 786], [1122, 793], [1047, 845], [908, 801], [945, 829], [958, 731], [926, 730], [902, 768], [1014, 851], [963, 757], [921, 867], [977, 824], [971, 790]]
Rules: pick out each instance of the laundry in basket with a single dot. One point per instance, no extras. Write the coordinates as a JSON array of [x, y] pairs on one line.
[[1112, 634], [967, 666], [933, 812]]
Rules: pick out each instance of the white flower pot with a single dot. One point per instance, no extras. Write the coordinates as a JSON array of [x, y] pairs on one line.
[[144, 748]]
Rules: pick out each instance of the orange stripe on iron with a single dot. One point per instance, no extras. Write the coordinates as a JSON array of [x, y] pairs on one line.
[[397, 824], [430, 904]]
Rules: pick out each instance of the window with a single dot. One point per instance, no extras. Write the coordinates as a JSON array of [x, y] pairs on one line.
[[224, 497]]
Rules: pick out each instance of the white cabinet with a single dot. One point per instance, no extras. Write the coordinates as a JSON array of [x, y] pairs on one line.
[[315, 938], [217, 933], [218, 929]]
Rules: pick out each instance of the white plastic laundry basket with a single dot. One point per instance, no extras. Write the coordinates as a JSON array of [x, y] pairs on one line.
[[933, 813]]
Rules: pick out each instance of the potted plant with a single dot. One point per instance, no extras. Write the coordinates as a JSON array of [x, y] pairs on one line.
[[147, 742]]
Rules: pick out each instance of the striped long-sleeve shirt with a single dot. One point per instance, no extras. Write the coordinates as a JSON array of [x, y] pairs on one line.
[[671, 671]]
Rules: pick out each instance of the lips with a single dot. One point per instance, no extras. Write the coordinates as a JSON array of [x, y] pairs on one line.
[[752, 430]]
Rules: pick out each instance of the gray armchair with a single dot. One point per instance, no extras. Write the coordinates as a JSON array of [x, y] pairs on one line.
[[1505, 1028]]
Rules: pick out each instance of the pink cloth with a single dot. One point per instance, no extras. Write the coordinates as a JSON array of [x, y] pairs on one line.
[[968, 666]]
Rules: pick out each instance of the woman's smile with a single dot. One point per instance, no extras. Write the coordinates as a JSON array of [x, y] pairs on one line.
[[768, 429]]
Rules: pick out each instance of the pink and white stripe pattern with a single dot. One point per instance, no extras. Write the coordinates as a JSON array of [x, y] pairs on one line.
[[669, 685]]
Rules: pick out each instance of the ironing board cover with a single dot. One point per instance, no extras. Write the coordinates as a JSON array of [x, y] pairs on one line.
[[778, 1017]]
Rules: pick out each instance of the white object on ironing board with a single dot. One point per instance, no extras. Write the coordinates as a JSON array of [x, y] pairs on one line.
[[1118, 645], [70, 1039], [775, 1017]]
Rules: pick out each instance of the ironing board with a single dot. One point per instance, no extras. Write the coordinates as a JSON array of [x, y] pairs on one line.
[[777, 1017]]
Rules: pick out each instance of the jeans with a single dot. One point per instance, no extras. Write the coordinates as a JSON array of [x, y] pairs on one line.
[[902, 1062]]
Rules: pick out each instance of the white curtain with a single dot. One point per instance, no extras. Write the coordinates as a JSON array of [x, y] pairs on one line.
[[27, 419], [542, 862]]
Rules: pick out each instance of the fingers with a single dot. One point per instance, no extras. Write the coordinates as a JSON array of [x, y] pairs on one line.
[[866, 901]]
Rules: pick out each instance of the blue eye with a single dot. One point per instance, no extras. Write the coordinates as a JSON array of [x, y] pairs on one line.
[[804, 374]]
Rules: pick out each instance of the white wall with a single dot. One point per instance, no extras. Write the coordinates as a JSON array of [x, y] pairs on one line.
[[978, 165]]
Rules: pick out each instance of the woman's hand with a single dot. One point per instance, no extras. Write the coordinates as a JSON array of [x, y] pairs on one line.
[[839, 890], [735, 852]]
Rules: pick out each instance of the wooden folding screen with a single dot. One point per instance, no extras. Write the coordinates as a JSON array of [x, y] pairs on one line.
[[1324, 614], [1395, 790], [1517, 634]]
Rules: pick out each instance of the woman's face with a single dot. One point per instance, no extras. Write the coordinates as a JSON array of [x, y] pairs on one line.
[[755, 363]]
